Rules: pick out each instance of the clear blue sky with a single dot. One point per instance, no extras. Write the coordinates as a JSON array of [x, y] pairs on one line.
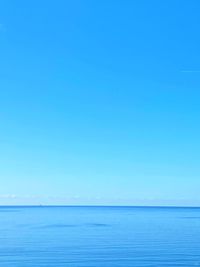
[[100, 102]]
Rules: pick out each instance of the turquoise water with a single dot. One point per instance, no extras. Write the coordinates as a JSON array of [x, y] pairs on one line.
[[99, 237]]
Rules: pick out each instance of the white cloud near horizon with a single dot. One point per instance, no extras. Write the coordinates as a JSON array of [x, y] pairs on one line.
[[12, 199]]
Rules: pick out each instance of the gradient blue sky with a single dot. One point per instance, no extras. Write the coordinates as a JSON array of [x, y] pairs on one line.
[[100, 102]]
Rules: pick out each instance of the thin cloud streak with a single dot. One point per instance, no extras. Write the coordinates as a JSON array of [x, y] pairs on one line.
[[190, 71]]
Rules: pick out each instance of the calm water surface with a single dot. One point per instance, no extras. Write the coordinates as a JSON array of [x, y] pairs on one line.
[[99, 237]]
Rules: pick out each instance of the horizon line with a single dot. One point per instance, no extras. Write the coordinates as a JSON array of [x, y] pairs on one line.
[[105, 206]]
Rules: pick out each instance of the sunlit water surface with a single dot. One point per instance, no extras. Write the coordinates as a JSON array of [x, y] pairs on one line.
[[99, 237]]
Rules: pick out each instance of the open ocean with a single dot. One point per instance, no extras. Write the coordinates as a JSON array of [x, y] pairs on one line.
[[99, 237]]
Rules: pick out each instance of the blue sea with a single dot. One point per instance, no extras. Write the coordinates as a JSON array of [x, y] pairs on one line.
[[99, 237]]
